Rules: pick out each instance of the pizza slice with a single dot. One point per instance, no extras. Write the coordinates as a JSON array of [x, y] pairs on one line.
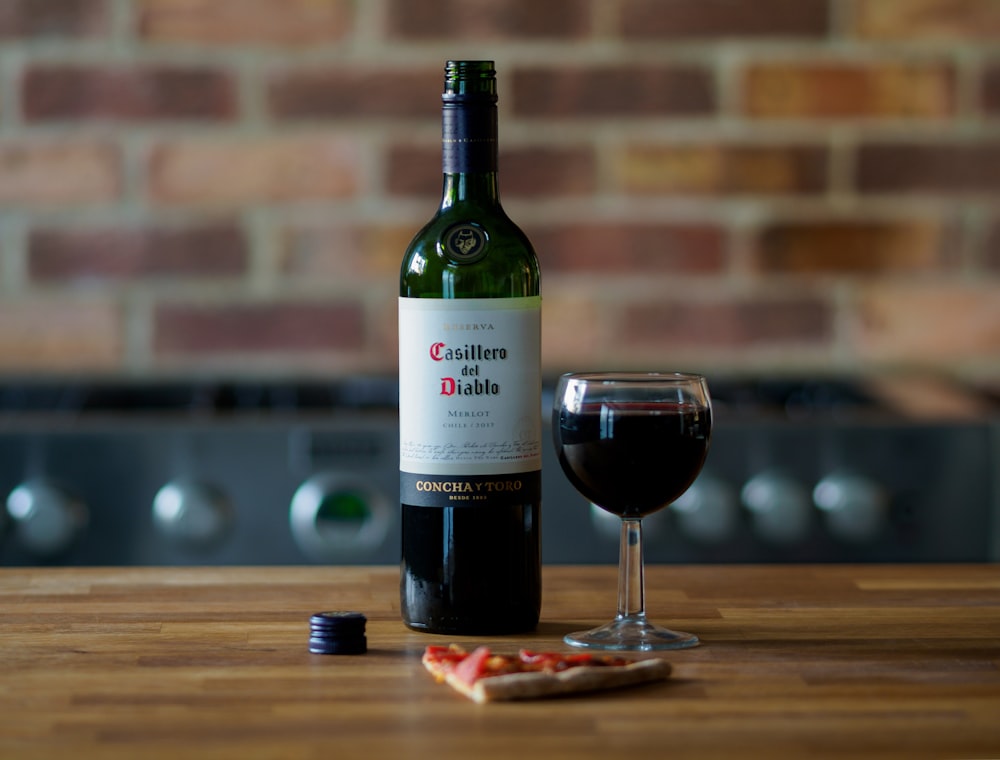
[[484, 676]]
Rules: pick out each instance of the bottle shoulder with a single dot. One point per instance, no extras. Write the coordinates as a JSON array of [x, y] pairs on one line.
[[469, 251], [492, 218]]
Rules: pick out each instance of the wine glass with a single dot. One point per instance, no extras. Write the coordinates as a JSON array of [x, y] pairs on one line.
[[631, 443]]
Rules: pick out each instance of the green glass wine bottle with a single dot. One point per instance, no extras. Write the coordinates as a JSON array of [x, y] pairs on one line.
[[470, 390]]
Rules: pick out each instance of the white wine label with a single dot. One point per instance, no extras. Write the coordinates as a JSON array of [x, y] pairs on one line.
[[469, 400]]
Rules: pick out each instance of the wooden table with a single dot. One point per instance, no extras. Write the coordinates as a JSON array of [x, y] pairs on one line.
[[805, 661]]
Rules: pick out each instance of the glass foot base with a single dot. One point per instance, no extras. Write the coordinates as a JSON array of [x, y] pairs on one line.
[[631, 634]]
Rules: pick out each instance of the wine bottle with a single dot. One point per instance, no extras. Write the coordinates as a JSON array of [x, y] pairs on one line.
[[470, 390]]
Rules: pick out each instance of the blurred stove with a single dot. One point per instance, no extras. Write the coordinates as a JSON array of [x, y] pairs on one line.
[[199, 473], [271, 472], [835, 470]]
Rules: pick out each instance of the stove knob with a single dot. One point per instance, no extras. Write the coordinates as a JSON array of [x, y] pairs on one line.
[[47, 520], [779, 505], [854, 507], [335, 517], [707, 511], [192, 512]]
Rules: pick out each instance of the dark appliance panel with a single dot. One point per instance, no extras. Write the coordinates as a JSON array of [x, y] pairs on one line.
[[288, 473]]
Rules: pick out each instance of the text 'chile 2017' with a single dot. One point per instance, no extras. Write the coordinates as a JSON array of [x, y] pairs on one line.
[[470, 390]]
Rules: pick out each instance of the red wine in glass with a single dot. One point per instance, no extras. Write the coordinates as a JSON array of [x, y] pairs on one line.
[[633, 458], [631, 443]]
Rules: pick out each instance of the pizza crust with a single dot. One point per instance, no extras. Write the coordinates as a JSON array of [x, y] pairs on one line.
[[573, 680], [538, 685]]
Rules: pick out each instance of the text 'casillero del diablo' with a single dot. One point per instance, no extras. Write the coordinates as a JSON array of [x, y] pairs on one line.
[[469, 383]]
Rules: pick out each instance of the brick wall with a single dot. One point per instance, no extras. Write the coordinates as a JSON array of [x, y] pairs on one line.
[[228, 185]]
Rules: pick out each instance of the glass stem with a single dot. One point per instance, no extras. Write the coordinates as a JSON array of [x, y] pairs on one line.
[[631, 586]]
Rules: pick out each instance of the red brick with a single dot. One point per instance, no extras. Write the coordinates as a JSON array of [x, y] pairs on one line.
[[257, 328], [347, 93], [722, 169], [58, 172], [65, 335], [849, 89], [928, 322], [991, 248], [52, 92], [236, 22], [680, 19], [525, 171], [237, 171], [131, 254], [947, 167], [612, 90], [358, 252], [572, 328], [53, 18], [626, 248], [413, 170], [852, 247], [727, 324], [928, 19], [514, 19], [991, 90], [548, 171]]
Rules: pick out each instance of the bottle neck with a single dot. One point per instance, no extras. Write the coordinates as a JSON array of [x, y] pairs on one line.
[[469, 152], [480, 188]]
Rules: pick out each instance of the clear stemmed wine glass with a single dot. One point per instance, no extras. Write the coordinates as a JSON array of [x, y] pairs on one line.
[[631, 443]]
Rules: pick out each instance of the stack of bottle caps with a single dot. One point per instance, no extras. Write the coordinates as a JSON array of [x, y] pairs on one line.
[[337, 632]]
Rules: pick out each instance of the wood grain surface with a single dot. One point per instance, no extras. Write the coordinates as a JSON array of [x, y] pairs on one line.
[[797, 661]]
